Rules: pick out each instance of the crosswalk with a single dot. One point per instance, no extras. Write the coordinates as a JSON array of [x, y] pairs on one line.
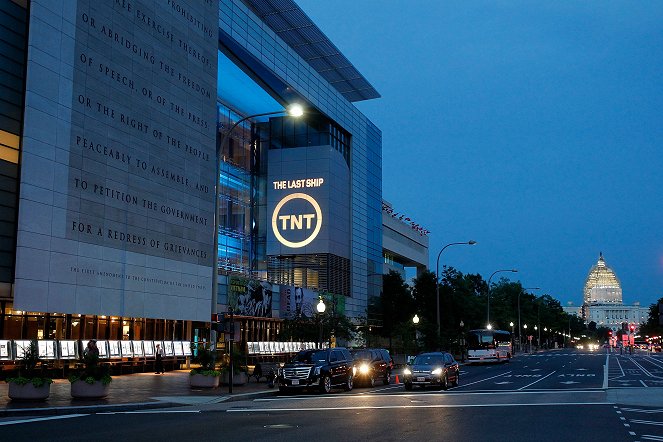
[[643, 423]]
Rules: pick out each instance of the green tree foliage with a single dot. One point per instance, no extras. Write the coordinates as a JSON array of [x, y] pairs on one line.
[[652, 326]]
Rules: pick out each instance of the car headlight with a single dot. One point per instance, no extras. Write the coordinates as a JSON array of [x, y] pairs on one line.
[[279, 372], [364, 368], [437, 371], [316, 371], [407, 371], [354, 370]]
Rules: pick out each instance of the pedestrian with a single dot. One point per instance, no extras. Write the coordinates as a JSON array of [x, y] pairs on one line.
[[159, 360], [92, 350]]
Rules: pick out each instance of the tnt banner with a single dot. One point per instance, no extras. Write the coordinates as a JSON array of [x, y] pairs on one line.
[[249, 297]]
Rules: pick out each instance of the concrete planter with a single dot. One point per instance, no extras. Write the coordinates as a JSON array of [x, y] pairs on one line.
[[81, 389], [28, 392], [202, 381], [238, 378]]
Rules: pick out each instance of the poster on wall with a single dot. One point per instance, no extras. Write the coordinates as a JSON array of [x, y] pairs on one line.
[[298, 302], [250, 297]]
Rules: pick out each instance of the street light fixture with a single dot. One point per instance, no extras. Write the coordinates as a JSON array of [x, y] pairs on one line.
[[437, 278], [320, 307], [489, 279], [294, 110], [415, 319]]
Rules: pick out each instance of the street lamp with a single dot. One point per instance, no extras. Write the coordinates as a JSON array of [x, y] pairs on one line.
[[519, 329], [294, 110], [511, 325], [491, 277], [525, 327], [437, 279], [415, 319], [321, 307]]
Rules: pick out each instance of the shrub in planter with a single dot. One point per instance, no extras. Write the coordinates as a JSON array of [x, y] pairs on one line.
[[205, 375], [240, 376], [94, 379], [31, 383]]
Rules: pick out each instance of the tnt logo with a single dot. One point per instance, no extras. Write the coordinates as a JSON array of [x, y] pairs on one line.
[[307, 221]]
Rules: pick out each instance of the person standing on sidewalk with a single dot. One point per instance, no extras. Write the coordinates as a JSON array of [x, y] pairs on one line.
[[159, 362]]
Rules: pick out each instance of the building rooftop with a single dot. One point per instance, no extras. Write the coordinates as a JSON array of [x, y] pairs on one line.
[[292, 24]]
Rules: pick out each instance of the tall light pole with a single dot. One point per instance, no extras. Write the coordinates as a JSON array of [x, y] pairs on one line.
[[320, 307], [489, 279], [519, 329], [437, 279], [294, 110]]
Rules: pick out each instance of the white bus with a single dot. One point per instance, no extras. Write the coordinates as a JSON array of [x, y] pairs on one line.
[[489, 346]]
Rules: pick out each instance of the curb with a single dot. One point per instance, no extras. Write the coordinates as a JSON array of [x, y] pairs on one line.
[[115, 408]]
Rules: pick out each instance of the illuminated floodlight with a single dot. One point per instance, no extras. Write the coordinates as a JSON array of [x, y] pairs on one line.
[[295, 110]]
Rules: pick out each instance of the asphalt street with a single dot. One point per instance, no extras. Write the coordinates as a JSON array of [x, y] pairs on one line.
[[547, 396]]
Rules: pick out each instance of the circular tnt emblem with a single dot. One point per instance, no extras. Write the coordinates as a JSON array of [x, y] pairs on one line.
[[299, 221]]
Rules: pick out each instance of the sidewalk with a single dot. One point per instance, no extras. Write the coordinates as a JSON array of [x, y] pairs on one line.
[[130, 392]]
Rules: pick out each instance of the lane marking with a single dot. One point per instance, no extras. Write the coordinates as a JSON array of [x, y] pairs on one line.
[[639, 410], [400, 407], [643, 383], [539, 380], [637, 421], [605, 372], [39, 419], [652, 437], [483, 380], [150, 412], [447, 394]]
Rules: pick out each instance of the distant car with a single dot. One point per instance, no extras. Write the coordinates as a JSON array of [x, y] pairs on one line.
[[436, 368], [317, 369], [372, 365]]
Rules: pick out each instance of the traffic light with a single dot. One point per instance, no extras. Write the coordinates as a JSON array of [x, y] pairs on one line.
[[632, 328]]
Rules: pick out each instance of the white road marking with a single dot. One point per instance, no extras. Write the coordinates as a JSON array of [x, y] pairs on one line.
[[400, 407], [652, 437], [150, 412], [639, 410], [636, 421], [487, 379], [538, 380], [643, 383], [39, 419]]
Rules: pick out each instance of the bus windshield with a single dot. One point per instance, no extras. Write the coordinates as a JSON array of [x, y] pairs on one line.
[[483, 339]]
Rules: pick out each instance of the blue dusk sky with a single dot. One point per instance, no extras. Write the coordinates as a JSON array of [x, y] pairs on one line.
[[534, 128]]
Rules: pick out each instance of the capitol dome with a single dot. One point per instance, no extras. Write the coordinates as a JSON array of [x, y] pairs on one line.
[[602, 285]]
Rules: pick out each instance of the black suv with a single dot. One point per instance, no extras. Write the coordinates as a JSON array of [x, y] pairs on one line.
[[317, 369], [372, 365]]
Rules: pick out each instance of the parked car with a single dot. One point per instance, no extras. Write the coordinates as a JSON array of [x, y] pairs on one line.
[[437, 368], [317, 369], [372, 365]]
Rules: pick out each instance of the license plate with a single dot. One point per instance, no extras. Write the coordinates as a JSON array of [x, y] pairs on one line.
[[295, 382], [421, 379]]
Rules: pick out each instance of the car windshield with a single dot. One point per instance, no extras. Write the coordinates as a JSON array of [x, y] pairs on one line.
[[428, 360], [310, 357], [363, 355]]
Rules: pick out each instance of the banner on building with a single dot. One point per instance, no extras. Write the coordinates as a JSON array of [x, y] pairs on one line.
[[250, 297]]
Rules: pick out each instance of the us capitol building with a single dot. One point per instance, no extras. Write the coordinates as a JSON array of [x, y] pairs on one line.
[[602, 300]]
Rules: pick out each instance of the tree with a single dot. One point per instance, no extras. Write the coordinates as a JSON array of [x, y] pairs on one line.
[[653, 326], [396, 303]]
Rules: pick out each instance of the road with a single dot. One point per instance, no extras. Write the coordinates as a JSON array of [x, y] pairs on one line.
[[548, 396]]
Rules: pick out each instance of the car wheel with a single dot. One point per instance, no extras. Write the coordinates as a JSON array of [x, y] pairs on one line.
[[387, 378], [325, 385], [408, 386], [445, 382], [349, 384]]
